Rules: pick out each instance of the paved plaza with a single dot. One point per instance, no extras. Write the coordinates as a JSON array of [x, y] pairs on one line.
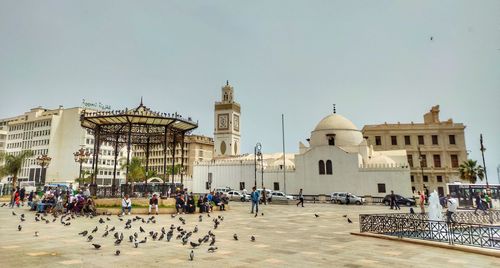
[[286, 236]]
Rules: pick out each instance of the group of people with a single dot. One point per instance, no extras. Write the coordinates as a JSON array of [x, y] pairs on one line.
[[483, 202], [55, 199]]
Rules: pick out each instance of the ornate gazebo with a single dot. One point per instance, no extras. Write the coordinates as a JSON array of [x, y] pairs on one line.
[[140, 127]]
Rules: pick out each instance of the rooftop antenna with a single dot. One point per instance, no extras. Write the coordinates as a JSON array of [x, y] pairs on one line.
[[334, 109], [141, 101], [227, 82]]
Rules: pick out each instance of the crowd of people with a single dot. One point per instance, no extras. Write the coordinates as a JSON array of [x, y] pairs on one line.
[[55, 199]]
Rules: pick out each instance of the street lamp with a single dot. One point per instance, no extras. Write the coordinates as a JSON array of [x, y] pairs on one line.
[[484, 164], [421, 160], [43, 161], [257, 152], [80, 157]]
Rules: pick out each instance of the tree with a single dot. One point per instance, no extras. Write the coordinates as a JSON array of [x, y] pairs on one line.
[[470, 171], [13, 164], [86, 178], [177, 169], [136, 171]]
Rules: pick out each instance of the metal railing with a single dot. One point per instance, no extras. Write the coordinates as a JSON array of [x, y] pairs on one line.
[[418, 226]]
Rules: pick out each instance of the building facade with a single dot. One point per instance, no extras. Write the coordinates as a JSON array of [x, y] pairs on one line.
[[227, 127], [434, 148], [58, 134]]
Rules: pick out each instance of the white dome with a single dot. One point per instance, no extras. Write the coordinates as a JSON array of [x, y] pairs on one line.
[[336, 127], [335, 121]]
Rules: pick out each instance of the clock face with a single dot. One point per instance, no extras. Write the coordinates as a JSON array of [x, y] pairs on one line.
[[223, 121], [236, 121]]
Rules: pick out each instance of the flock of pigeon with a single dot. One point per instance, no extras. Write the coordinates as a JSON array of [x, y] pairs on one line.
[[183, 235]]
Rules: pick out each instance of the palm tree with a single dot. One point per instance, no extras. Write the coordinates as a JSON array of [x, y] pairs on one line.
[[470, 171], [86, 177], [13, 164], [136, 171]]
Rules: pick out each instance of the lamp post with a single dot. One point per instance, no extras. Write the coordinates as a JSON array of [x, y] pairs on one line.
[[81, 156], [43, 161], [421, 159], [257, 152], [484, 163]]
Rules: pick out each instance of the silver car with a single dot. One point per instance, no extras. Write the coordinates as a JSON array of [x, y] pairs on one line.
[[280, 196], [238, 196], [340, 198]]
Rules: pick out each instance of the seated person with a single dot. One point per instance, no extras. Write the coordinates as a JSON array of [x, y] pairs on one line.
[[179, 203], [218, 201], [190, 205], [200, 204], [153, 202], [126, 204], [89, 206]]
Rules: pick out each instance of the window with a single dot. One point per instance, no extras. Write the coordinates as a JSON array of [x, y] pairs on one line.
[[426, 178], [378, 140], [381, 187], [452, 139], [439, 178], [331, 141], [454, 161], [437, 160], [420, 139], [440, 191], [394, 140], [407, 140], [276, 186], [410, 159], [321, 167], [434, 140], [329, 169], [412, 178], [242, 185], [423, 161]]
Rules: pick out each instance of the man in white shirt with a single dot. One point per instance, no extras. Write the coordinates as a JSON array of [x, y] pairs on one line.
[[126, 204], [452, 208]]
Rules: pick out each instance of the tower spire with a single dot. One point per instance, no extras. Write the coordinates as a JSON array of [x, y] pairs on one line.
[[227, 82], [141, 102]]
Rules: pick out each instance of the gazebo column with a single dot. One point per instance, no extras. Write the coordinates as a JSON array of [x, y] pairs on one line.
[[182, 159], [165, 146], [93, 186], [129, 141], [147, 164], [173, 157], [113, 187]]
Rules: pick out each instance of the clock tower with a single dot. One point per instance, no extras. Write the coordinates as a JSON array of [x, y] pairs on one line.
[[227, 124]]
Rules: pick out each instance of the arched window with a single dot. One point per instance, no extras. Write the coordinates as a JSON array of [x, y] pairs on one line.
[[329, 167], [321, 167]]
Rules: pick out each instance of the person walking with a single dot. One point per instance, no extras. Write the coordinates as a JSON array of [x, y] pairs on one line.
[[452, 208], [153, 202], [255, 196], [301, 198], [264, 196], [22, 195], [394, 202], [479, 203], [422, 201]]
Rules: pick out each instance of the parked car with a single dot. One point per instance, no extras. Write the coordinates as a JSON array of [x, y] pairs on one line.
[[222, 190], [275, 195], [340, 198], [236, 195], [400, 200]]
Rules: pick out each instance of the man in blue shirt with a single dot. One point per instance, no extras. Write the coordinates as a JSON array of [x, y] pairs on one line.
[[255, 196]]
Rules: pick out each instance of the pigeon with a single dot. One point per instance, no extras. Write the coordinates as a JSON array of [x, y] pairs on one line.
[[19, 227], [101, 221], [136, 235], [108, 219], [136, 245], [121, 219], [213, 241], [22, 215], [255, 215], [143, 241], [169, 236], [252, 238], [13, 213], [131, 238], [22, 219], [212, 249], [117, 252], [262, 214], [432, 38], [208, 215], [194, 245], [105, 234], [112, 229], [235, 236], [117, 242], [68, 223], [349, 220], [161, 236], [412, 211], [195, 229], [52, 220], [47, 221], [173, 216], [191, 255], [121, 236], [95, 230], [37, 234], [141, 229], [163, 230], [90, 238], [184, 241], [96, 246], [200, 218], [316, 215], [37, 219], [345, 216], [116, 235]]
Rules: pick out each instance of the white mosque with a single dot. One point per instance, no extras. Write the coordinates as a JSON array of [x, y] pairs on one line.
[[337, 159]]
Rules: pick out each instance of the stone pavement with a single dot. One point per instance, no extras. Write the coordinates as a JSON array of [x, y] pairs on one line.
[[286, 236]]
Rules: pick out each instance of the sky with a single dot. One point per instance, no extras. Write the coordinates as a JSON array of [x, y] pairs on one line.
[[374, 59]]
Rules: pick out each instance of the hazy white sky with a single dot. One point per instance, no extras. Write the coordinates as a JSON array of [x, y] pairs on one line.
[[374, 59]]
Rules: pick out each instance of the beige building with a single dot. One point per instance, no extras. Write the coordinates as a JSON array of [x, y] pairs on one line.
[[196, 148], [441, 145]]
